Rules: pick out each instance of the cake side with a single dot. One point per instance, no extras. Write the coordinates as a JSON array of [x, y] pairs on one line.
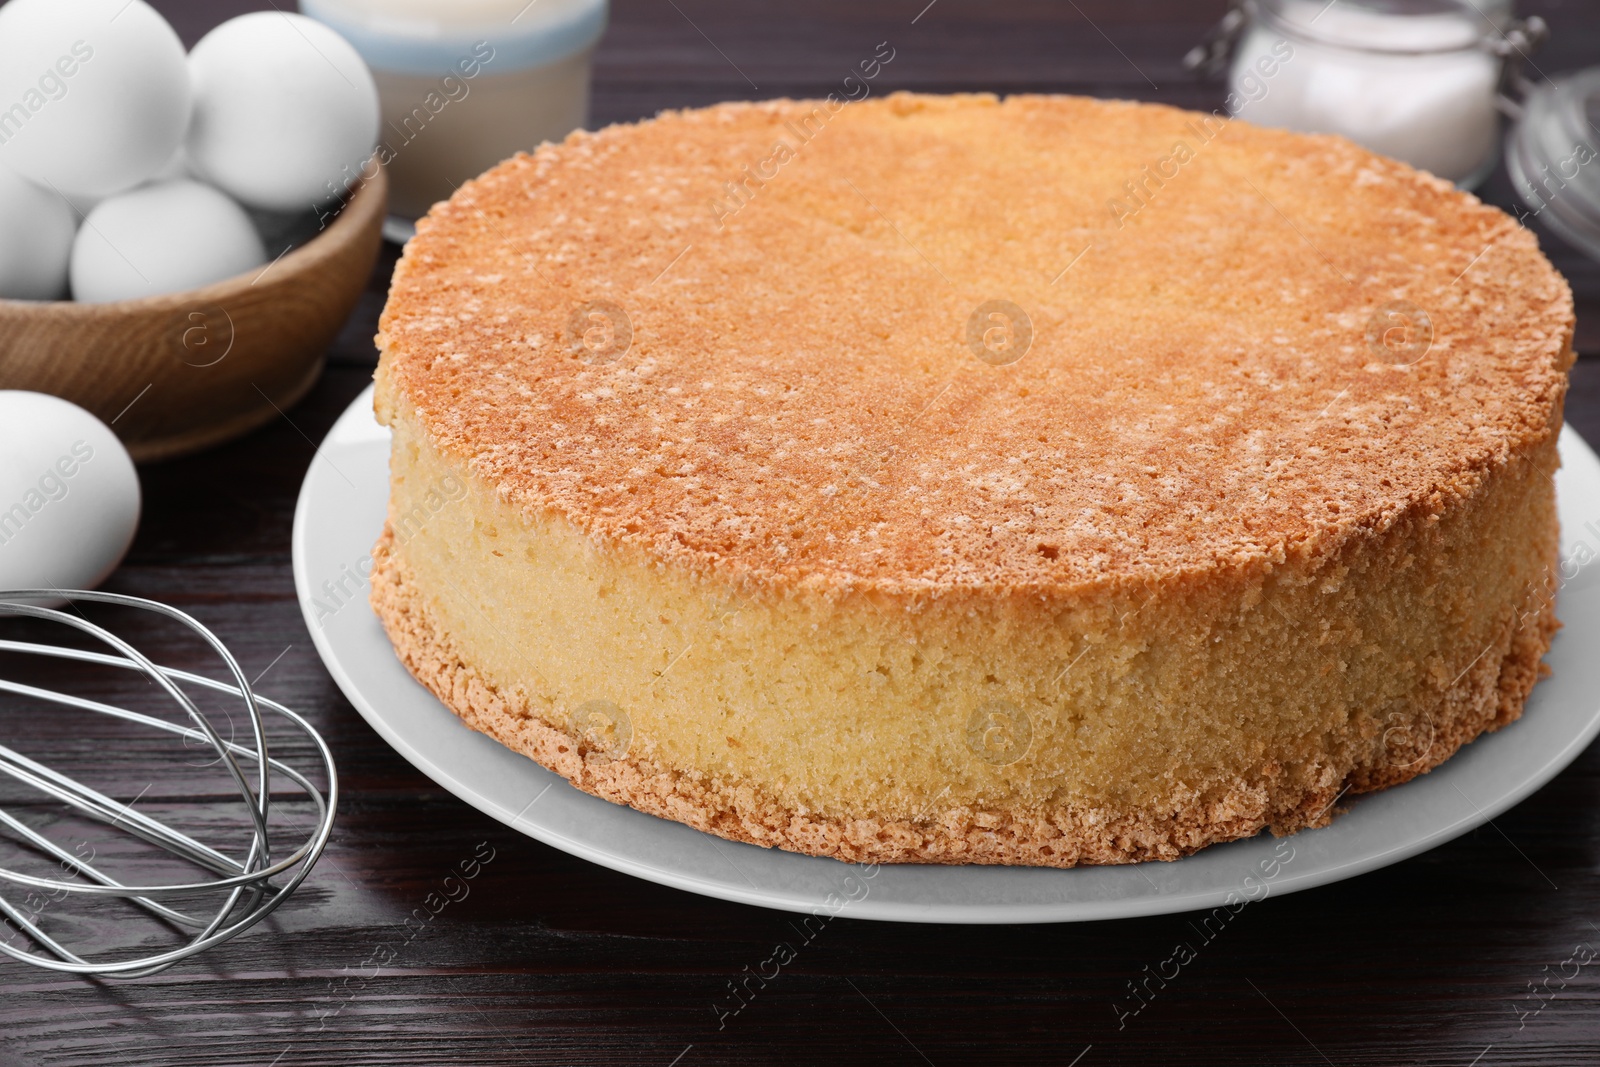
[[1157, 721], [1487, 696]]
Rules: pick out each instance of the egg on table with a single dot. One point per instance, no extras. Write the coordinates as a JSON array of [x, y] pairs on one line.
[[94, 94], [36, 229], [162, 238], [69, 495], [286, 111]]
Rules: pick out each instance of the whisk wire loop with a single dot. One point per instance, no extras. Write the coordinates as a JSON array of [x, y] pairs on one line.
[[246, 887]]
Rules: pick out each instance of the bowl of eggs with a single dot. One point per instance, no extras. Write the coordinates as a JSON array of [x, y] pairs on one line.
[[181, 235]]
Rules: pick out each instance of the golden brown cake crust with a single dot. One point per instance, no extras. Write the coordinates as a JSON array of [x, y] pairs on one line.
[[1346, 547], [1487, 696], [798, 406]]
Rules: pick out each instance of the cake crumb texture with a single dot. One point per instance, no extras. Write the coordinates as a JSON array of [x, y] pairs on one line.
[[1485, 697]]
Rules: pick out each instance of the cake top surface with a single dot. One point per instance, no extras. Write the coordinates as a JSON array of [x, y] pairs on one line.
[[927, 343]]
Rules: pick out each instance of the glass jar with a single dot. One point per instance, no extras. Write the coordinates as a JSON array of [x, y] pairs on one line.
[[1553, 157], [1418, 80], [465, 84]]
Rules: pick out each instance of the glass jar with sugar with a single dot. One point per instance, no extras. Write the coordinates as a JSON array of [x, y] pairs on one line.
[[1418, 80]]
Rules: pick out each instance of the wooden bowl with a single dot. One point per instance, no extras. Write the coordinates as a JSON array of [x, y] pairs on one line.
[[180, 372]]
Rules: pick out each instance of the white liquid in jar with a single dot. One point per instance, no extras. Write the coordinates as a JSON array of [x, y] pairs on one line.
[[492, 117], [465, 84], [451, 18]]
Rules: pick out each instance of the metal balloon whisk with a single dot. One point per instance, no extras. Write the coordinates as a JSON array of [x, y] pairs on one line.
[[231, 892]]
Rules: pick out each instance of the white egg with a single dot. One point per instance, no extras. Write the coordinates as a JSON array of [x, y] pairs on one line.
[[94, 94], [36, 228], [69, 496], [285, 113], [162, 238]]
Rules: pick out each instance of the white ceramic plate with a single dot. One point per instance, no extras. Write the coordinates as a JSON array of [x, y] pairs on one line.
[[341, 511]]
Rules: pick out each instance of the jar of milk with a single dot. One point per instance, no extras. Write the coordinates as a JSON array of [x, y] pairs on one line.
[[1418, 80], [465, 84]]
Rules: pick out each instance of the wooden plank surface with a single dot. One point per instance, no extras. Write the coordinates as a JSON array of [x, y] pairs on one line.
[[548, 959]]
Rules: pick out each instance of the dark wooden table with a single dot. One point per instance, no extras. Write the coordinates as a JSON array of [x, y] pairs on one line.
[[552, 960]]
